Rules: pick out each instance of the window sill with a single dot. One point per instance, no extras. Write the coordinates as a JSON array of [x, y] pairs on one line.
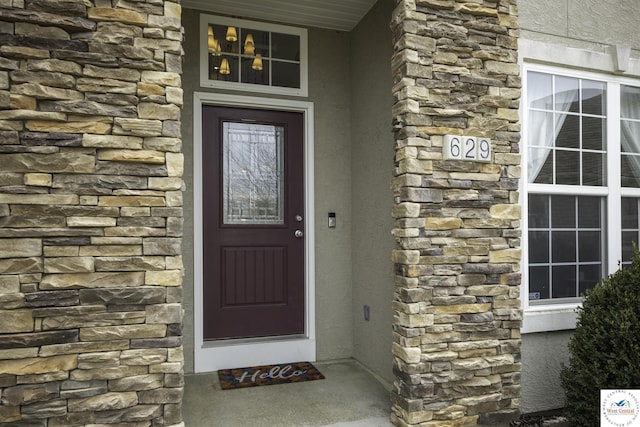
[[549, 318]]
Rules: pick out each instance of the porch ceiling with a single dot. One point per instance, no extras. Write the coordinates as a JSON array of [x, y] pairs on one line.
[[340, 15]]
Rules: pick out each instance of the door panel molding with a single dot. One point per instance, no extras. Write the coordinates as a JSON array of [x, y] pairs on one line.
[[213, 355], [271, 258]]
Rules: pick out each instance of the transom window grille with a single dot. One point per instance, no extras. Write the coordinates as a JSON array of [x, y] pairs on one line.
[[582, 148], [253, 56]]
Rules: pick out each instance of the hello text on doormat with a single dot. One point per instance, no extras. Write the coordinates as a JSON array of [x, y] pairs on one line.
[[268, 375]]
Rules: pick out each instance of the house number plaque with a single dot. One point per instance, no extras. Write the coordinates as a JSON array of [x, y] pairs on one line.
[[471, 148]]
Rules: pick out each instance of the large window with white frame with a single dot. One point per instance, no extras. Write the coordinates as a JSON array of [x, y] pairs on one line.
[[252, 56], [582, 183]]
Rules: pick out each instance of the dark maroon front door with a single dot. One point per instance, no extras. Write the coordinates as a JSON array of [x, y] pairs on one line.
[[253, 202]]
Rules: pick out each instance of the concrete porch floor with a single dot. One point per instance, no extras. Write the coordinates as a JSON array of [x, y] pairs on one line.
[[349, 396]]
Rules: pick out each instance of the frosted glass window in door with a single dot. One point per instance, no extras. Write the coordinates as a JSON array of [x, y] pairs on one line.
[[252, 173]]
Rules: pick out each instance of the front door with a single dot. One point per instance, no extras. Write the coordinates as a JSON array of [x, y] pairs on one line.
[[253, 223]]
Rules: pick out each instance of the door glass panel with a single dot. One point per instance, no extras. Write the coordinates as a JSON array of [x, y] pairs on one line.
[[252, 173]]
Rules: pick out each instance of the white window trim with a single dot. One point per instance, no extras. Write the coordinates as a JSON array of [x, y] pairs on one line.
[[205, 20], [211, 356], [542, 57], [550, 317], [602, 62]]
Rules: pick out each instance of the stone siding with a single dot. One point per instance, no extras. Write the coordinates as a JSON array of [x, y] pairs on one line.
[[457, 223], [90, 213]]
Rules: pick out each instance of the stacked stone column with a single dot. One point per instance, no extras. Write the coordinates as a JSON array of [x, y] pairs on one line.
[[457, 223], [90, 213]]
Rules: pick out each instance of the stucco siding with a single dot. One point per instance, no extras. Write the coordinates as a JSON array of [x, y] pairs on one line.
[[189, 84], [329, 83], [542, 357], [372, 152], [580, 23]]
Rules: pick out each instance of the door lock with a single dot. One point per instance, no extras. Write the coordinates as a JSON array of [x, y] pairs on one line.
[[298, 234]]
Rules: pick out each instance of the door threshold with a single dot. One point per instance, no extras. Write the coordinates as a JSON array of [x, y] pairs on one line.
[[256, 340], [229, 354]]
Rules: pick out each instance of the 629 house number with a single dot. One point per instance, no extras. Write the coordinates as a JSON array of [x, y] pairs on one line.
[[470, 148]]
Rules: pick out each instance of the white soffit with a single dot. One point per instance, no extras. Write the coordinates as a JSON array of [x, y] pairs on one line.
[[341, 15]]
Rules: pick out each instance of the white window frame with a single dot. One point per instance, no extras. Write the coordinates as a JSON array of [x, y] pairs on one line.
[[554, 316], [206, 19]]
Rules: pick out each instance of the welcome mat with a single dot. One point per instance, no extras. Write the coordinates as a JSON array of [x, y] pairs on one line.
[[268, 374]]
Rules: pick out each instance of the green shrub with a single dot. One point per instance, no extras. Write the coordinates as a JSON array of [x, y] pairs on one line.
[[605, 349]]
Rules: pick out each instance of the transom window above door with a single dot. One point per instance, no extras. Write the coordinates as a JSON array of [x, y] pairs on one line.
[[252, 56]]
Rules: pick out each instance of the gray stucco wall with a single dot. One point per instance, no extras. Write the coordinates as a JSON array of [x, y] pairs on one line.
[[542, 357], [372, 154], [190, 79], [329, 89], [329, 83], [580, 23]]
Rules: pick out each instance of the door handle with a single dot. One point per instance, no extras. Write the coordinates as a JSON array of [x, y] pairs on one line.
[[298, 234]]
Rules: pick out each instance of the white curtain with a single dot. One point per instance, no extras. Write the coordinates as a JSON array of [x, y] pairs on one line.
[[542, 131], [630, 141]]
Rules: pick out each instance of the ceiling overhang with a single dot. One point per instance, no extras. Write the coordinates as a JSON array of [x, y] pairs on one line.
[[342, 15]]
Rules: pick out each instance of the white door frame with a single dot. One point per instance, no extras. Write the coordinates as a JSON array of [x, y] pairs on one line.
[[213, 355]]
